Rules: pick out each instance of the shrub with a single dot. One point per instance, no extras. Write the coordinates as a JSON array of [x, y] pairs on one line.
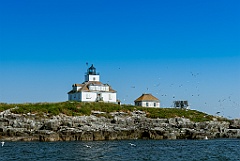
[[82, 108]]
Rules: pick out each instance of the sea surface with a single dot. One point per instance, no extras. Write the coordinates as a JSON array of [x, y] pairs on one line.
[[213, 150]]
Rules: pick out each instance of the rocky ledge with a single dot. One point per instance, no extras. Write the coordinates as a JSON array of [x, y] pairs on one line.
[[134, 125]]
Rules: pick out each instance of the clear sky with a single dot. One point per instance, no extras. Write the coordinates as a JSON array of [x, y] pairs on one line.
[[176, 50]]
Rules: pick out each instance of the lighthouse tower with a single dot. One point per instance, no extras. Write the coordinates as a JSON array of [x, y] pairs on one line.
[[92, 75]]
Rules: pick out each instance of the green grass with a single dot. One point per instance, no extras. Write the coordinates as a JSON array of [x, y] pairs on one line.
[[81, 108]]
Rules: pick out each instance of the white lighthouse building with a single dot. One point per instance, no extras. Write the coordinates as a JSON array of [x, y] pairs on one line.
[[92, 90]]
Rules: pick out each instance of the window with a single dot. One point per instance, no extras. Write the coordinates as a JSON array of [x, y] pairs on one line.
[[110, 97], [154, 104], [147, 104], [88, 96]]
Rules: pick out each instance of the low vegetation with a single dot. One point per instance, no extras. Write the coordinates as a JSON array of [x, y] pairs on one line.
[[81, 108]]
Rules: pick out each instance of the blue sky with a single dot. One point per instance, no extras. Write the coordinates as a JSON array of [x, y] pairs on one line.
[[186, 50]]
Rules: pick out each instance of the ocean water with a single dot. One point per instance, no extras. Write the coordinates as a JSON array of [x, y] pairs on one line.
[[212, 150]]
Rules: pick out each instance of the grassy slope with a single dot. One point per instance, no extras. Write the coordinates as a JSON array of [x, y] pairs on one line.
[[80, 108]]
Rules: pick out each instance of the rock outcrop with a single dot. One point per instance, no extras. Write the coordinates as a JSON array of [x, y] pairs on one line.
[[120, 125]]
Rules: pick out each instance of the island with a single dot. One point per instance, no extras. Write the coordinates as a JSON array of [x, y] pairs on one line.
[[76, 121]]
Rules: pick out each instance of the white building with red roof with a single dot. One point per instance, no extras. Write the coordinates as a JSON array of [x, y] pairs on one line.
[[92, 90], [147, 100]]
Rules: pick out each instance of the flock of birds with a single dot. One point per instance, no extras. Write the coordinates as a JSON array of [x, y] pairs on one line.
[[194, 75], [172, 85], [191, 89]]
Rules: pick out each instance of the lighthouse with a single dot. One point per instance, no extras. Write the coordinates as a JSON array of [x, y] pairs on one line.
[[92, 90]]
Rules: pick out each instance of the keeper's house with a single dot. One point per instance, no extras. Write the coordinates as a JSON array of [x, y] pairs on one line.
[[147, 100], [92, 90]]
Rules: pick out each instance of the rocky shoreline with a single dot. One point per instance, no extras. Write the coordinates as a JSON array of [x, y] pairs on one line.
[[31, 127]]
